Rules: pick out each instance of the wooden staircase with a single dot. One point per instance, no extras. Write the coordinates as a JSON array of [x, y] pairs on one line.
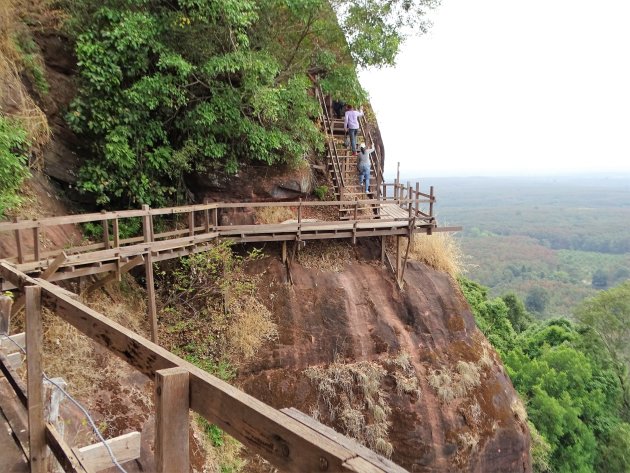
[[342, 167]]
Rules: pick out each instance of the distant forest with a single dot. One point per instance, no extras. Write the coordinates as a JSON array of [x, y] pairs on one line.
[[551, 240]]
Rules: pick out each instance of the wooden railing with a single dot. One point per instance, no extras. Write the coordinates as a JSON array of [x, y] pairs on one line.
[[200, 220], [338, 174], [289, 440]]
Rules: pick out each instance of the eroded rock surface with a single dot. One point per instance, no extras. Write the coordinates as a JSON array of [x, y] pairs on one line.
[[360, 315]]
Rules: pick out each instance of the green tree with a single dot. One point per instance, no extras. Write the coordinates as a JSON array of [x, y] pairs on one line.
[[517, 314], [537, 300], [608, 315], [171, 88]]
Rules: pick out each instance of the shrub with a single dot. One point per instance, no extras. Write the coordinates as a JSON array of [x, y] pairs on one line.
[[13, 163]]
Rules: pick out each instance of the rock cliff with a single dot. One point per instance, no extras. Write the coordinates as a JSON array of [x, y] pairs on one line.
[[451, 408]]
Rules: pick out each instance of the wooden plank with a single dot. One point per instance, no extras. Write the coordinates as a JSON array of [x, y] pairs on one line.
[[151, 304], [278, 438], [19, 388], [54, 266], [172, 396], [15, 359], [5, 314], [62, 452], [125, 448], [15, 413], [8, 347], [361, 465], [35, 404], [370, 457]]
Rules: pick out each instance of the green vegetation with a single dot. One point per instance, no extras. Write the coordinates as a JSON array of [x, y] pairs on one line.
[[574, 378], [199, 86], [13, 162]]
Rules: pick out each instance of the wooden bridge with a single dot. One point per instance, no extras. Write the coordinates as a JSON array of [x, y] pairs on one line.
[[288, 439]]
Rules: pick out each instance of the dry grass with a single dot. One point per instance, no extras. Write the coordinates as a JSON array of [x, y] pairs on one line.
[[404, 375], [440, 251], [271, 215], [327, 255], [451, 385], [518, 408], [255, 326], [70, 355], [352, 396]]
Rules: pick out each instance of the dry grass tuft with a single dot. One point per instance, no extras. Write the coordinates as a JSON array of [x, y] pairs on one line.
[[440, 251], [326, 255], [518, 408], [451, 385], [270, 215], [404, 375], [255, 326], [70, 355], [352, 397]]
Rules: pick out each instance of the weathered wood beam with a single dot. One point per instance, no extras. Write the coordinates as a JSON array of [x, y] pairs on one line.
[[125, 448], [35, 388], [172, 395]]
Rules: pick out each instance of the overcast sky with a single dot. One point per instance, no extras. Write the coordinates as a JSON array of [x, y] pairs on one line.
[[510, 87]]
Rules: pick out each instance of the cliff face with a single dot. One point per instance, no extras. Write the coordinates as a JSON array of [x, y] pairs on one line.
[[464, 414]]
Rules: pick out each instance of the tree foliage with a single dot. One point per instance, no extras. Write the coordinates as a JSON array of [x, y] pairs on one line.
[[170, 88], [200, 86], [569, 379]]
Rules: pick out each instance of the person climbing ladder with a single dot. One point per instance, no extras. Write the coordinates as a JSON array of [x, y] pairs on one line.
[[351, 125], [363, 165]]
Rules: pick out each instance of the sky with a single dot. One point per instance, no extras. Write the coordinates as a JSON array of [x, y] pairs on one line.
[[506, 87]]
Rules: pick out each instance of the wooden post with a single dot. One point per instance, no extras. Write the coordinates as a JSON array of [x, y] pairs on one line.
[[116, 230], [206, 214], [18, 243], [152, 307], [398, 259], [172, 397], [36, 243], [105, 232], [356, 207], [191, 223], [284, 251], [300, 211], [215, 218], [147, 232], [383, 249], [417, 197], [35, 404], [431, 200]]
